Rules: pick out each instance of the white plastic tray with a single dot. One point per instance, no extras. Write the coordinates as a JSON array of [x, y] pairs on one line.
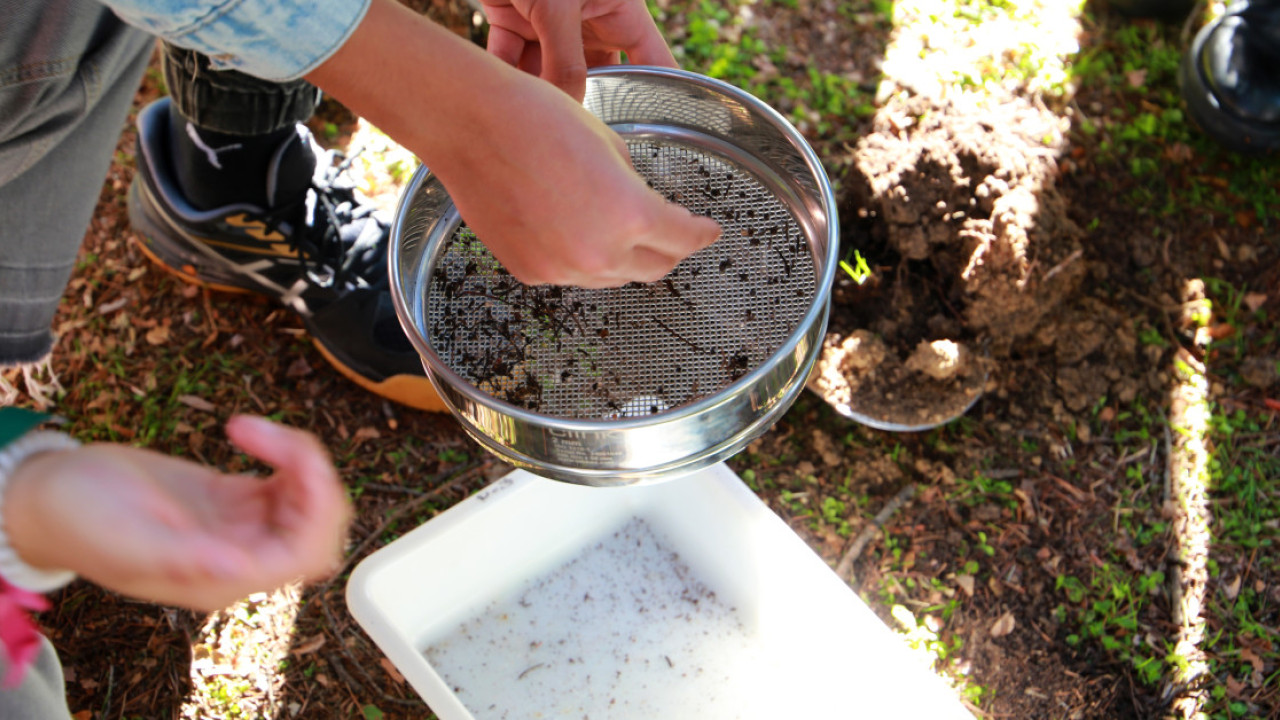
[[774, 632]]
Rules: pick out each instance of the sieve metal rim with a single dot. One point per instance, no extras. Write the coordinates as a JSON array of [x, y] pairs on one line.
[[721, 450], [444, 228], [454, 388]]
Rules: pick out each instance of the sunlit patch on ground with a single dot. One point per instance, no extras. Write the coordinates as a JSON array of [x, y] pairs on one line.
[[237, 659], [1004, 65], [1188, 498], [380, 165], [946, 47]]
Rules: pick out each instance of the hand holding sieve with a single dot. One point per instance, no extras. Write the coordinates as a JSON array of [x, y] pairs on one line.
[[647, 381]]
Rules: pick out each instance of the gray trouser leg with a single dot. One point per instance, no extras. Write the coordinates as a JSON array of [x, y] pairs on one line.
[[42, 694], [58, 132]]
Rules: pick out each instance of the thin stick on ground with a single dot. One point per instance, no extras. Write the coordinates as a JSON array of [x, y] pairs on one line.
[[869, 532], [465, 473]]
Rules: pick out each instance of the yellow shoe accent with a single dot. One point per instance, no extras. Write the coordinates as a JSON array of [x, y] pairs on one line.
[[413, 391], [186, 273]]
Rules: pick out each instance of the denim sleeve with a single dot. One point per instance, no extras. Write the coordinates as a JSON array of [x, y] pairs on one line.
[[274, 40]]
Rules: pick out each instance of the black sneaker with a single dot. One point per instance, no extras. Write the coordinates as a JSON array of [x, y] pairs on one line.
[[1168, 10], [322, 253], [1230, 78]]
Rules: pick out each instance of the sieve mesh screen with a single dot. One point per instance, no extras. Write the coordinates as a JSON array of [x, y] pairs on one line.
[[639, 349]]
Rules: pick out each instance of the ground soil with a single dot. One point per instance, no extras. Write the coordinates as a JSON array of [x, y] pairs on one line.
[[993, 234]]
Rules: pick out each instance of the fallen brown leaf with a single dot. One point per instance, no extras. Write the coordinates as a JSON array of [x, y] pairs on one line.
[[195, 402], [310, 645], [1232, 588], [298, 368], [1003, 626], [368, 432], [1235, 688], [158, 335], [1248, 655]]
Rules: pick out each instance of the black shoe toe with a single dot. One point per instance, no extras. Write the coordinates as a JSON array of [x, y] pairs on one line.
[[1230, 79]]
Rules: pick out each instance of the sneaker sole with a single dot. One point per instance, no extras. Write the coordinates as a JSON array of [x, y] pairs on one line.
[[191, 267], [412, 391]]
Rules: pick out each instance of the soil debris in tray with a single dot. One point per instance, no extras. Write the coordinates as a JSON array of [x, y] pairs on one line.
[[625, 629]]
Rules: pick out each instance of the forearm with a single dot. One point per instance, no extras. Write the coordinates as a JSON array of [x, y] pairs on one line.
[[542, 182], [434, 92]]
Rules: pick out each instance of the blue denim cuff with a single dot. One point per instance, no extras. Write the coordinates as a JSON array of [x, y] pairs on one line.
[[274, 40]]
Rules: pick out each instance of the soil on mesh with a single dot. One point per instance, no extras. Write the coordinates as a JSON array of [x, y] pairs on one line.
[[957, 206]]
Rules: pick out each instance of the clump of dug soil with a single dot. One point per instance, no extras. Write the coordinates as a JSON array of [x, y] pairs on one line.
[[953, 204]]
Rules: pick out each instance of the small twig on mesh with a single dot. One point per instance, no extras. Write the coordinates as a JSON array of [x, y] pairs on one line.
[[869, 532], [680, 337]]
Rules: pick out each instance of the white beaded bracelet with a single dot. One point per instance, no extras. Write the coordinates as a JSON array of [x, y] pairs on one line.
[[12, 568]]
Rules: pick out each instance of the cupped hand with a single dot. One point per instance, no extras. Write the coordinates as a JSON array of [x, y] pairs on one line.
[[559, 39], [175, 532]]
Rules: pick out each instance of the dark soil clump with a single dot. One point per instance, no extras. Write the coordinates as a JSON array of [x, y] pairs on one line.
[[955, 207]]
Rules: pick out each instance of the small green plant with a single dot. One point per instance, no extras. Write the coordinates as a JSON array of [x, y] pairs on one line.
[[982, 489], [1108, 610], [859, 270], [833, 513], [454, 456], [983, 546], [1148, 335]]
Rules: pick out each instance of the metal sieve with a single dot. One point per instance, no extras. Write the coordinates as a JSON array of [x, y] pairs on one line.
[[647, 381]]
